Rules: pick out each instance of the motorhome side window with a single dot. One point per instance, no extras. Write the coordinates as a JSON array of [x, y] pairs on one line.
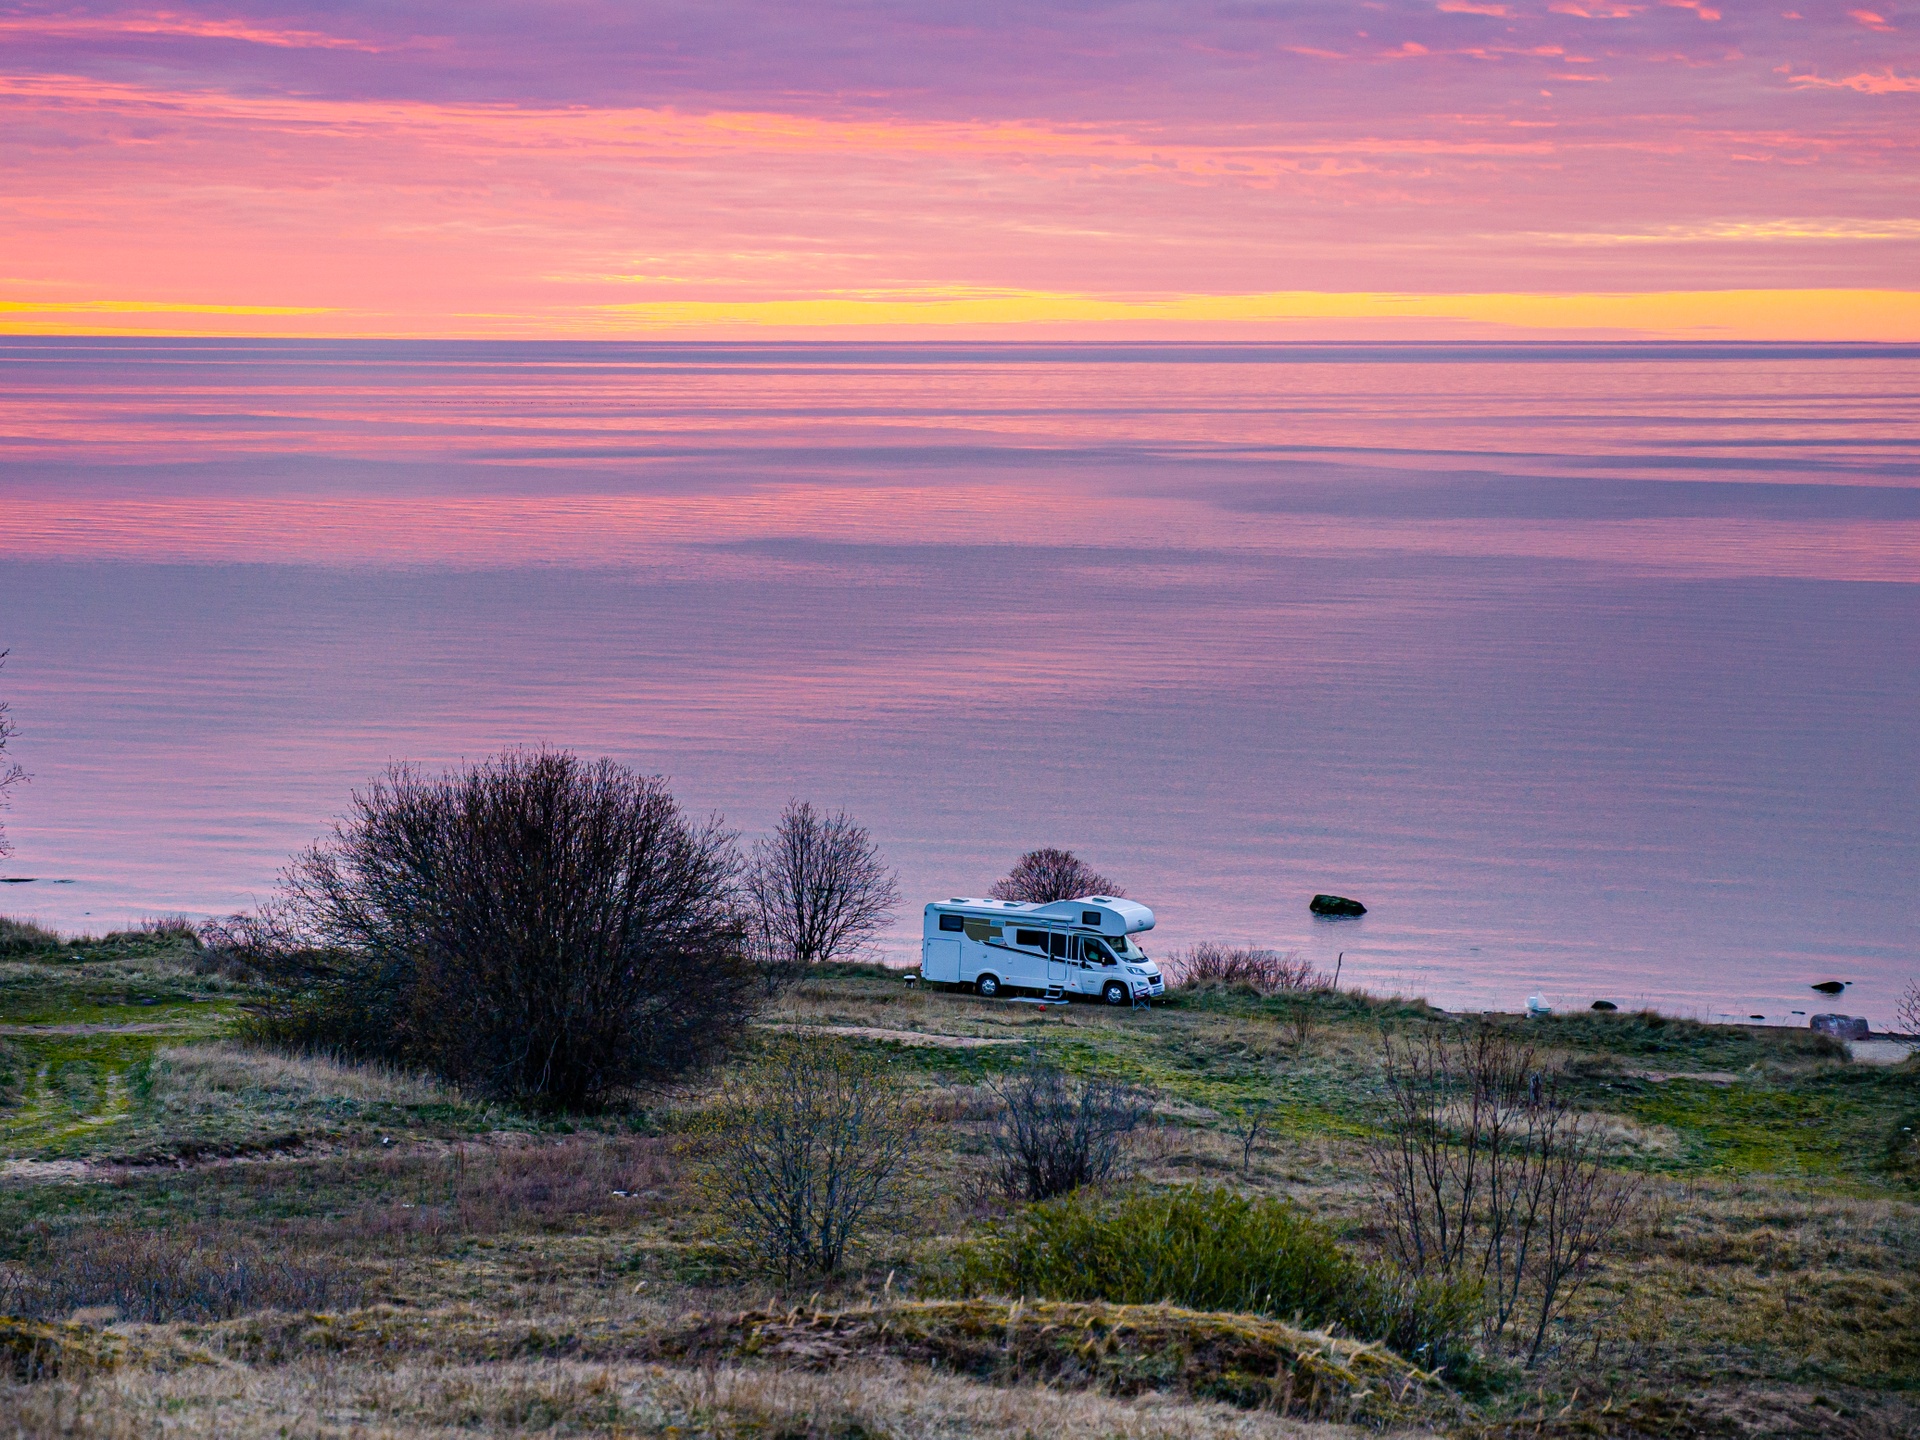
[[1095, 952], [1033, 939], [1059, 946], [953, 922]]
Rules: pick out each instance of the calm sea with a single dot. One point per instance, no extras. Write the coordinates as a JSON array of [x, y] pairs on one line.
[[1593, 671]]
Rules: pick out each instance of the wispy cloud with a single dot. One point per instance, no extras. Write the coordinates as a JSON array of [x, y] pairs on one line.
[[172, 24], [1885, 83], [1740, 230]]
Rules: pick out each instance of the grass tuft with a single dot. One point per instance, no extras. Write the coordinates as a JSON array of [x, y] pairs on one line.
[[24, 937]]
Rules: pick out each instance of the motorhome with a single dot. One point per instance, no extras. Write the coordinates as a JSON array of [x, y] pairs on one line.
[[1058, 950]]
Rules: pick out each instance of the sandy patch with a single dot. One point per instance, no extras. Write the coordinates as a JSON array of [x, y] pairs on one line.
[[1881, 1052], [903, 1037]]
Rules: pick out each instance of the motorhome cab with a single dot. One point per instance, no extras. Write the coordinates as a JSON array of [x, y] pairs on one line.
[[1069, 947]]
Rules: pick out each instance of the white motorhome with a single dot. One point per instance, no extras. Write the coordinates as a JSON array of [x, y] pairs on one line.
[[1069, 947]]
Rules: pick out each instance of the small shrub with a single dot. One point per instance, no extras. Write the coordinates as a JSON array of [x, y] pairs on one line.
[[1264, 972], [1211, 1249], [1056, 1134], [1906, 1014], [154, 1277], [802, 1150], [24, 937]]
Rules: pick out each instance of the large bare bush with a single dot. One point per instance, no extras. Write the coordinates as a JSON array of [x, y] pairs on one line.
[[1269, 972], [1057, 1134], [1040, 877], [802, 1150], [535, 927], [817, 889], [10, 773], [1485, 1174]]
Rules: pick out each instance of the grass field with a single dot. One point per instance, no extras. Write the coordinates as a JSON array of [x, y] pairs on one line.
[[337, 1249]]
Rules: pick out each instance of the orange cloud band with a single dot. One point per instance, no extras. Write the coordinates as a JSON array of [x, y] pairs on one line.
[[1868, 315]]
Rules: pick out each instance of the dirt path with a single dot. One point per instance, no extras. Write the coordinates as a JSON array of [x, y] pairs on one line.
[[903, 1037]]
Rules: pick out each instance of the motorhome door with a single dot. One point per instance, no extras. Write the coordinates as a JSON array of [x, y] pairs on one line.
[[1057, 958]]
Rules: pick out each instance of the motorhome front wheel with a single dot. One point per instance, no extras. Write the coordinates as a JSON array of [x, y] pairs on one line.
[[1115, 993], [987, 985]]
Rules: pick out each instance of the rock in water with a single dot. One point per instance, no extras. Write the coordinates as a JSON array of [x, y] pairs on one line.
[[1605, 1005], [1841, 1027], [1832, 987], [1336, 905]]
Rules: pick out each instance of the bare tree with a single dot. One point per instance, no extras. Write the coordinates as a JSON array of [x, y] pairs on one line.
[[1485, 1174], [1056, 1135], [1248, 1122], [803, 1149], [817, 889], [1040, 877], [10, 773], [1906, 1014], [535, 927]]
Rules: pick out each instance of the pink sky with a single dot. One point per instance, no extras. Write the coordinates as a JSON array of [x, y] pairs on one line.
[[1033, 169]]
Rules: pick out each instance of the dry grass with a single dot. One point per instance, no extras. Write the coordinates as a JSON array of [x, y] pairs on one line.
[[1263, 972], [861, 1401], [213, 1077]]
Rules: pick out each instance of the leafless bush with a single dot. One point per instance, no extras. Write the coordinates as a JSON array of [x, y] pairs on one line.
[[254, 941], [1906, 1014], [1040, 877], [1486, 1175], [802, 1150], [1267, 972], [817, 890], [154, 1276], [534, 927], [1056, 1134], [10, 773]]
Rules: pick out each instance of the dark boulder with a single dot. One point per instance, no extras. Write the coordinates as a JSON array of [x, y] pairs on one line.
[[1336, 905], [1832, 987], [1605, 1005], [1841, 1027]]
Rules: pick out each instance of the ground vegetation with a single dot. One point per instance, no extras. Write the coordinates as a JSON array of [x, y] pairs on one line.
[[459, 1263]]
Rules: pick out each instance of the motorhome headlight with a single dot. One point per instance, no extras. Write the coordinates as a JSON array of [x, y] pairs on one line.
[[1135, 970]]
